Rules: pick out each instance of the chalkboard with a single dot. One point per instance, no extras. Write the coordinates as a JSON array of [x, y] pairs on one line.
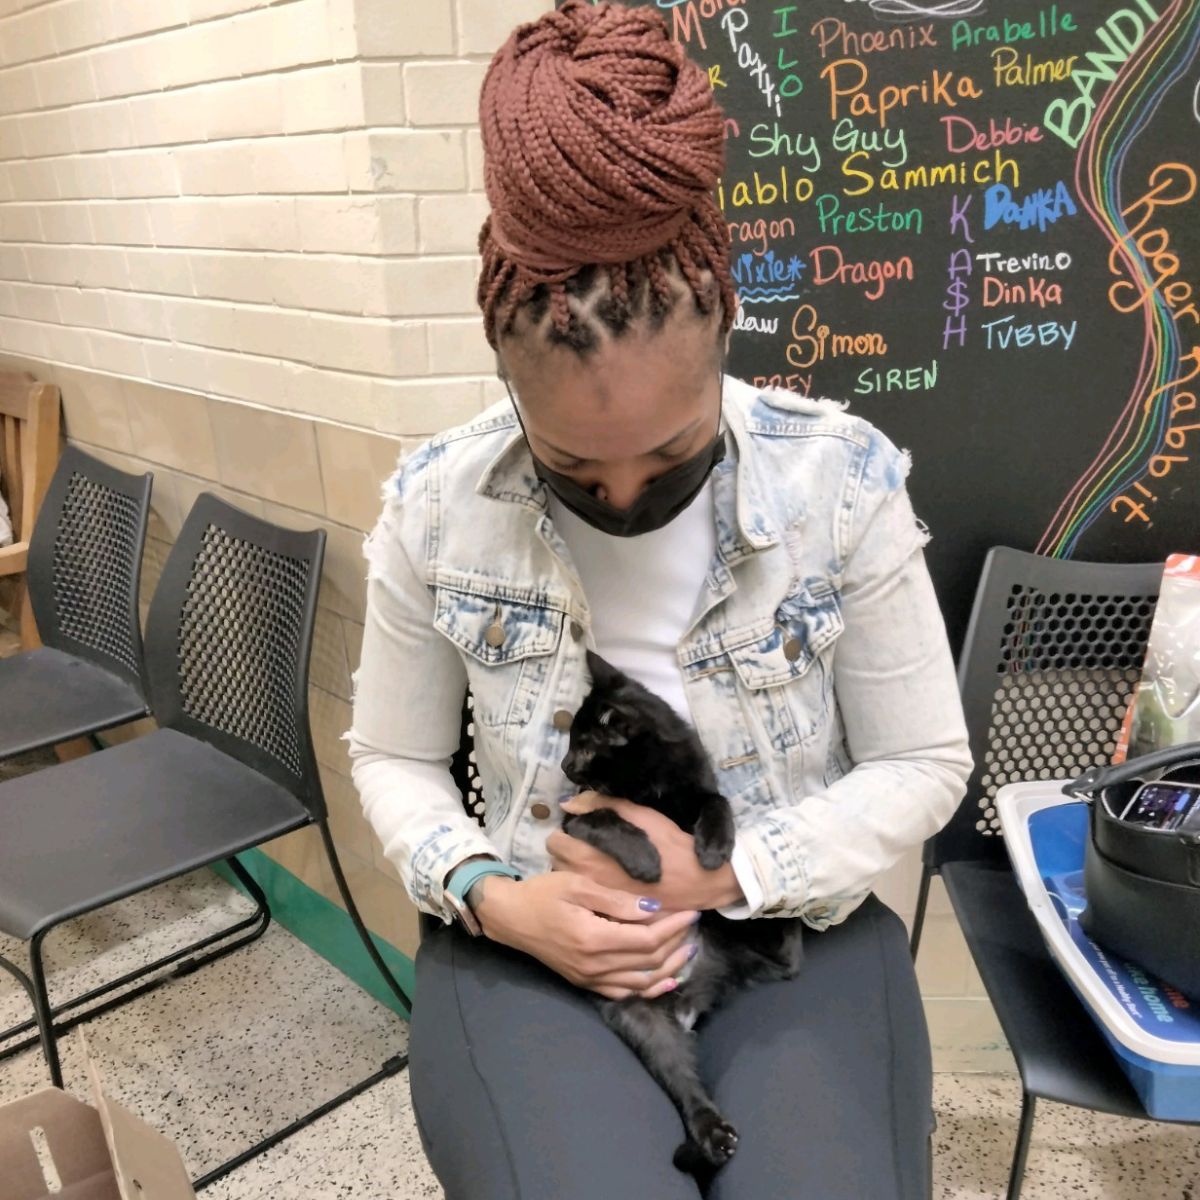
[[979, 224]]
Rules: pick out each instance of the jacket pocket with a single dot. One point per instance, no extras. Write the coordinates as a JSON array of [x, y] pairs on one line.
[[507, 647], [787, 672]]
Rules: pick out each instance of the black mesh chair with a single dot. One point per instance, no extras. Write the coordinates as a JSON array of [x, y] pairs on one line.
[[231, 764], [463, 766], [1053, 652], [85, 563]]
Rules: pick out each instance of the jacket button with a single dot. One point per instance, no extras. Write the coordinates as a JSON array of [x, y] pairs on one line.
[[791, 649], [494, 635], [540, 811], [576, 631], [562, 720]]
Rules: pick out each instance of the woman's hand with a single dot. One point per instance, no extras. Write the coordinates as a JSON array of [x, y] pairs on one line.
[[685, 884], [596, 938]]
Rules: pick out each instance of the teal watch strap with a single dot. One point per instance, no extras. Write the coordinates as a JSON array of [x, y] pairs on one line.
[[466, 876]]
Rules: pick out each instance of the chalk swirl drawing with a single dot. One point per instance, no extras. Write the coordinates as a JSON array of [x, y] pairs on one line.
[[1142, 428], [905, 8]]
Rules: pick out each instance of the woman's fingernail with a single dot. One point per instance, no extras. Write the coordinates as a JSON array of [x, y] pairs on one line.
[[647, 904], [671, 985], [693, 950], [696, 919]]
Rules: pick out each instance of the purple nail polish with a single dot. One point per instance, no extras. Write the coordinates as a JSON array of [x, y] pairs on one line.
[[693, 951], [647, 904]]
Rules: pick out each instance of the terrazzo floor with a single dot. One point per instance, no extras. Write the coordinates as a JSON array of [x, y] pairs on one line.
[[218, 1059]]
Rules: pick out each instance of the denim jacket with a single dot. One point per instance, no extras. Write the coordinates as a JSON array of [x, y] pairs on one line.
[[816, 664]]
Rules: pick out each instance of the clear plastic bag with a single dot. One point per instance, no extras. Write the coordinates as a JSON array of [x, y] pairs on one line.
[[1165, 710]]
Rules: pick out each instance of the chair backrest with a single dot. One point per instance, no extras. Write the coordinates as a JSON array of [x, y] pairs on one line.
[[28, 445], [85, 563], [228, 640], [1053, 653]]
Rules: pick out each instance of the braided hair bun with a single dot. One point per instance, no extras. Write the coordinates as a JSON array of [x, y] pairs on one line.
[[602, 146]]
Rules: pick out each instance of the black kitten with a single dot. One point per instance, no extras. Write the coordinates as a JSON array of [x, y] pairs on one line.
[[626, 741]]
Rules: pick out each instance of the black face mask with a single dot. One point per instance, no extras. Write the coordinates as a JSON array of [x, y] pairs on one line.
[[659, 502]]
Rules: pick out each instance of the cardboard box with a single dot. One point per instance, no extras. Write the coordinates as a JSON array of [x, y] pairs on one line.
[[52, 1145]]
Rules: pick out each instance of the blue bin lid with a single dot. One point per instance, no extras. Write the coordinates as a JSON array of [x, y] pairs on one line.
[[1045, 833]]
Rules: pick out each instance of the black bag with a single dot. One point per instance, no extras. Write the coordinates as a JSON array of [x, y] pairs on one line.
[[1143, 884]]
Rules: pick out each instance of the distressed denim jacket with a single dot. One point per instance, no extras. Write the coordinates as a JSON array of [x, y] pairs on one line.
[[816, 664]]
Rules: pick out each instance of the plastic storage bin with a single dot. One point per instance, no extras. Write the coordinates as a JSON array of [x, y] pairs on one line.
[[1154, 1030]]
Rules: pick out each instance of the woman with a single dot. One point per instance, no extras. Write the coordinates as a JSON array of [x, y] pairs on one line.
[[750, 556]]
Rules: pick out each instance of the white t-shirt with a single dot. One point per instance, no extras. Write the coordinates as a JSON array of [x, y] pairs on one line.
[[642, 592]]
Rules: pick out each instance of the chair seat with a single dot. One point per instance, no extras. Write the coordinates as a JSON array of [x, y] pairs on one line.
[[47, 696], [1059, 1050], [82, 834]]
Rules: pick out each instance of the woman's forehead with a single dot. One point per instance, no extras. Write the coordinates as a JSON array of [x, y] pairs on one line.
[[626, 400], [680, 350]]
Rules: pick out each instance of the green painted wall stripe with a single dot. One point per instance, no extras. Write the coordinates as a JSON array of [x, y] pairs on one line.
[[323, 927]]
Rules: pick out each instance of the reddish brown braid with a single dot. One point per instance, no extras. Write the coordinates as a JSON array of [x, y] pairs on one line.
[[602, 146]]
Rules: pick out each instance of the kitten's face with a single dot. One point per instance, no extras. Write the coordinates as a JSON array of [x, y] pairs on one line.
[[604, 731]]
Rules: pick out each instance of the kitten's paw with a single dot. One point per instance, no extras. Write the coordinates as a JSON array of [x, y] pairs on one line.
[[714, 834], [616, 837], [715, 1138], [642, 863], [712, 857]]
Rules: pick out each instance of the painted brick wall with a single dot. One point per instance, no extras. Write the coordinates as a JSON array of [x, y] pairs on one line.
[[275, 203]]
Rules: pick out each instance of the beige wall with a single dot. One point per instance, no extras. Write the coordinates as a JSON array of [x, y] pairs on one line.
[[275, 204], [241, 238]]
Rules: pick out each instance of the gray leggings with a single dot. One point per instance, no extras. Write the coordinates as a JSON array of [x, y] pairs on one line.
[[521, 1091]]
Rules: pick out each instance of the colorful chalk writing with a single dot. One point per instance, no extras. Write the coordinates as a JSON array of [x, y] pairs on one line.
[[813, 341], [980, 225], [1119, 36], [1148, 221]]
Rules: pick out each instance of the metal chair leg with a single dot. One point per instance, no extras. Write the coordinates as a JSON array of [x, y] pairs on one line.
[[41, 1004], [257, 922], [37, 997], [1017, 1175], [36, 988], [919, 916], [391, 1066], [352, 909]]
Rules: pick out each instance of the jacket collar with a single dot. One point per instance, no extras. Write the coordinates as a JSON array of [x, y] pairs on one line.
[[743, 522]]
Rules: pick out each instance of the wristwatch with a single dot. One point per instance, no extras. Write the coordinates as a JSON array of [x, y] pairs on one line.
[[463, 879]]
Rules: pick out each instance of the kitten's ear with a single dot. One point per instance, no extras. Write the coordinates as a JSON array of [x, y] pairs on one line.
[[604, 674], [629, 707]]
